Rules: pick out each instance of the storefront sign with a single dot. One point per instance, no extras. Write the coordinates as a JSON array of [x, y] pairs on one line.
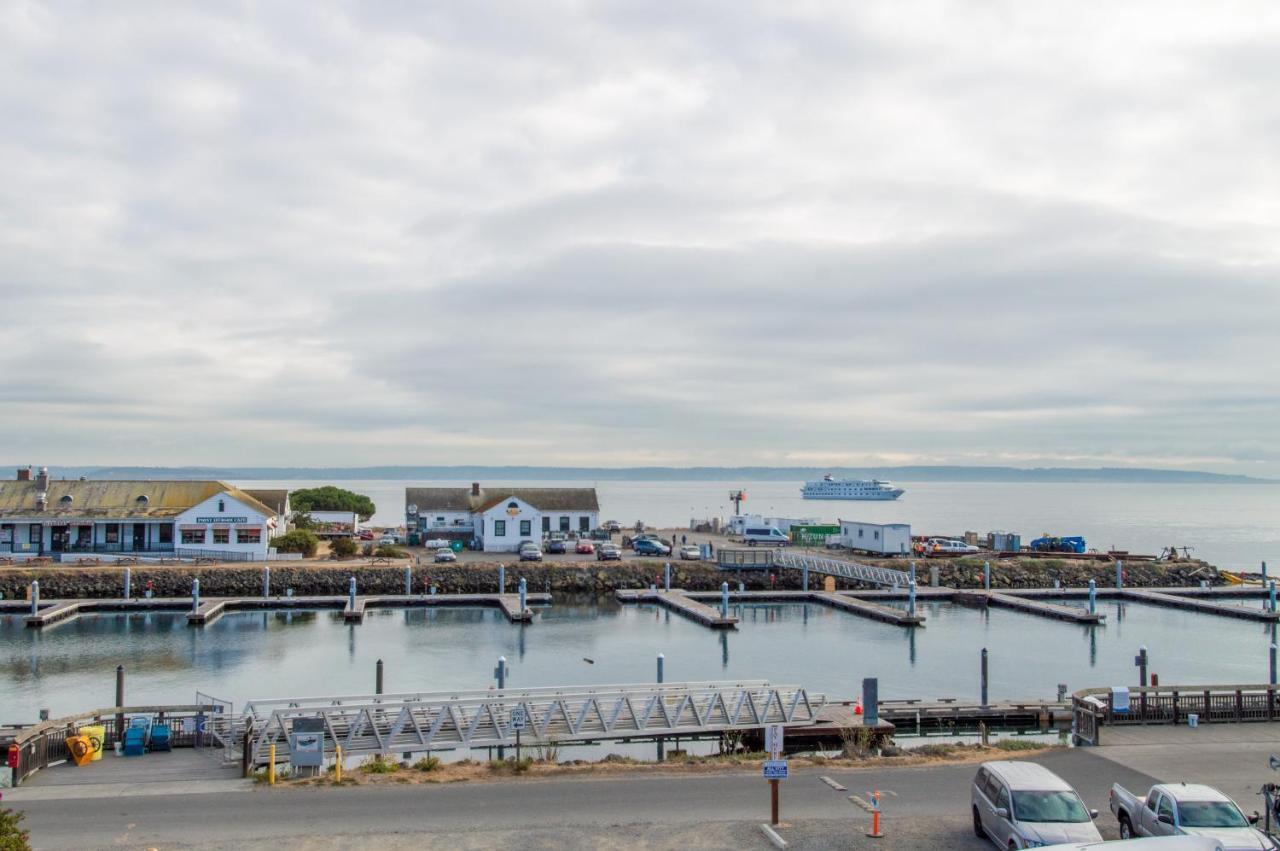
[[222, 520]]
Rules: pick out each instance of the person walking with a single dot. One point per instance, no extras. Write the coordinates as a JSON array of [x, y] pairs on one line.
[[684, 539]]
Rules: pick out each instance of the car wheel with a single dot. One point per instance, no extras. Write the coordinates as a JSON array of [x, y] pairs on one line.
[[1126, 828], [977, 825]]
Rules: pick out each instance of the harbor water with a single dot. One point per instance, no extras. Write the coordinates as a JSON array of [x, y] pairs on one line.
[[70, 667]]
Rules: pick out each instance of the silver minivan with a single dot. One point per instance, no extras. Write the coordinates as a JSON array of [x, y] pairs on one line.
[[1025, 805]]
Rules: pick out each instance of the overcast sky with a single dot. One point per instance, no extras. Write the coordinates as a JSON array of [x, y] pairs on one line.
[[641, 233]]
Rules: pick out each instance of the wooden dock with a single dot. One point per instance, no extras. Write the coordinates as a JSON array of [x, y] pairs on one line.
[[1030, 606], [58, 611], [1024, 714], [866, 608], [678, 601], [1178, 601]]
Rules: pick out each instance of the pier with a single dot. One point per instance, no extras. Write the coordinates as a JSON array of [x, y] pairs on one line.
[[1178, 601], [1030, 606], [682, 603]]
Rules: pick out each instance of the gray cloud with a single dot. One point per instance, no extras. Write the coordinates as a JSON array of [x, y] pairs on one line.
[[720, 233]]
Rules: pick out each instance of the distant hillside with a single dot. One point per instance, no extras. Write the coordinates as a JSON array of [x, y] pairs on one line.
[[721, 474]]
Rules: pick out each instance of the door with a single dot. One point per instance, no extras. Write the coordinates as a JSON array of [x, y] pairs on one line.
[[1004, 825], [1164, 825], [989, 788], [58, 536], [139, 536]]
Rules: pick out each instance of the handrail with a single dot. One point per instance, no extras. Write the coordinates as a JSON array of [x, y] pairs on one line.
[[29, 733]]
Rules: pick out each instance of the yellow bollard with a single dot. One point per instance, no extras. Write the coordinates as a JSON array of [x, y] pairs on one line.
[[337, 764], [271, 766]]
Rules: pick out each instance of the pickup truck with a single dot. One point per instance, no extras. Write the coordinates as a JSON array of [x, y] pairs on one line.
[[1187, 809]]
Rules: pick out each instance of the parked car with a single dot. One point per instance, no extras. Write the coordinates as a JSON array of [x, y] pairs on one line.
[[557, 546], [612, 526], [608, 552], [445, 554], [948, 547], [768, 535], [651, 547], [530, 551], [366, 534], [690, 553], [1186, 809], [1023, 804], [1163, 843], [387, 541], [584, 548]]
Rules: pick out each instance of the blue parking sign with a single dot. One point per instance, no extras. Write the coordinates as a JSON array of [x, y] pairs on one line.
[[775, 769]]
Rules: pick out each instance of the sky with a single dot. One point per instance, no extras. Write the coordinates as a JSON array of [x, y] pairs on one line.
[[617, 234]]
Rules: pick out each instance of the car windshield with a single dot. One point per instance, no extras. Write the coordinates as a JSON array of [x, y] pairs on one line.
[[1049, 806], [1210, 814]]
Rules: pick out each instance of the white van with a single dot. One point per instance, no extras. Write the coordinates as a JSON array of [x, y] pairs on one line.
[[767, 535]]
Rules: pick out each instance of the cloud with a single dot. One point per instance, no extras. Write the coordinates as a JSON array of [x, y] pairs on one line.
[[709, 233]]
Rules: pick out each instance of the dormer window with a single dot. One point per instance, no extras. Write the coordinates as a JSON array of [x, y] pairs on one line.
[[513, 505], [222, 507], [142, 500], [65, 500]]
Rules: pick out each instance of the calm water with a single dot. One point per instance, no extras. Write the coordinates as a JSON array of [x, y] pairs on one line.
[[1229, 525], [255, 655]]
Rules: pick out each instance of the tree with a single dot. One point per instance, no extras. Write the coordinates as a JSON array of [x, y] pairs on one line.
[[12, 836], [296, 541], [330, 498], [302, 520]]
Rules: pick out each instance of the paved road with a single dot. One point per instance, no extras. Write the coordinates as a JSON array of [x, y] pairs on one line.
[[924, 807]]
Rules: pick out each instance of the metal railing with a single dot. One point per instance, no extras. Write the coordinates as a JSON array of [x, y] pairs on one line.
[[1094, 708], [763, 559], [217, 555], [443, 721], [45, 744]]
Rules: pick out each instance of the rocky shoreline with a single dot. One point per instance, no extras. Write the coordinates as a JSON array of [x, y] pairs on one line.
[[324, 577]]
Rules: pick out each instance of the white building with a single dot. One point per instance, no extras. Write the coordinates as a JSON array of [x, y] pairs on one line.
[[739, 522], [40, 516], [878, 538], [499, 519]]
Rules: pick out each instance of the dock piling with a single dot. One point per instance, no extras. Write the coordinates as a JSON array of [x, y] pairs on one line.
[[195, 594], [666, 578], [351, 593], [377, 678], [804, 577], [870, 701], [984, 677], [1119, 575], [911, 595], [933, 576], [1271, 595], [1093, 597], [661, 660], [408, 580], [1273, 662], [266, 580], [120, 700], [1141, 661], [724, 599], [523, 594], [35, 596], [432, 590], [986, 575], [502, 579], [128, 583]]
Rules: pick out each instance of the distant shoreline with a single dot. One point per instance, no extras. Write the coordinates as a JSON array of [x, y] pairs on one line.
[[1052, 475]]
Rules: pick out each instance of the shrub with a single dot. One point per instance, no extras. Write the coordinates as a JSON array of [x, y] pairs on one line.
[[378, 765], [388, 551], [1020, 745], [934, 750], [12, 836], [343, 547], [296, 541], [511, 765], [427, 763]]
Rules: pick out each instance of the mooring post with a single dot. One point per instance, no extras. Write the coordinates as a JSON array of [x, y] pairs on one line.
[[502, 579], [911, 596], [408, 580], [119, 700], [724, 599], [523, 592], [1273, 663], [912, 572], [500, 673], [266, 580], [1119, 575], [128, 583], [742, 586], [661, 660], [986, 575], [933, 576], [1271, 594], [432, 589], [661, 742], [870, 701], [984, 676], [351, 593], [804, 577], [377, 679], [1141, 661], [195, 594], [35, 596], [1093, 597], [666, 576]]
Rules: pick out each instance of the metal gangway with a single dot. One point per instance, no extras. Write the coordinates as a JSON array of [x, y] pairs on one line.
[[422, 721], [809, 563]]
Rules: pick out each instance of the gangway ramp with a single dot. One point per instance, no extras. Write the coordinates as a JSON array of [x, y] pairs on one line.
[[807, 562], [368, 724]]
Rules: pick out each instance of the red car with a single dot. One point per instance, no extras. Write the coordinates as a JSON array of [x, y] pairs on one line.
[[366, 535], [585, 548]]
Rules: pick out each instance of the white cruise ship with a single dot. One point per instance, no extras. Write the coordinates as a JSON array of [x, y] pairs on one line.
[[869, 489]]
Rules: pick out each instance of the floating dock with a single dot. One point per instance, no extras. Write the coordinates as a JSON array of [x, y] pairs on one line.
[[1030, 606], [676, 599], [681, 603], [1177, 601]]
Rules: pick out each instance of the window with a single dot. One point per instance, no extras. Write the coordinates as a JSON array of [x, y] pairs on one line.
[[113, 533], [526, 528], [1165, 813], [877, 534], [142, 500], [584, 523], [36, 533], [546, 523], [859, 533], [499, 528], [248, 536], [222, 536], [1002, 798], [166, 533], [564, 524], [193, 536], [66, 499], [222, 507]]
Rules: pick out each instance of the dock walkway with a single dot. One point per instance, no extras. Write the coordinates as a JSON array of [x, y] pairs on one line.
[[1178, 601], [1030, 606], [680, 602]]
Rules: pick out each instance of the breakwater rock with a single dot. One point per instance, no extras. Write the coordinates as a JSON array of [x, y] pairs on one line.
[[322, 577]]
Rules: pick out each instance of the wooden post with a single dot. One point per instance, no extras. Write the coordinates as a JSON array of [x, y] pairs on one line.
[[773, 802]]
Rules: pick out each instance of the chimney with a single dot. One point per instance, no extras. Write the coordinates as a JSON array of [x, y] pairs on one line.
[[24, 474], [42, 480], [475, 488]]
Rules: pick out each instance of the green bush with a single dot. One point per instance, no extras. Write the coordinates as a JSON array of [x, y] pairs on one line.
[[427, 763], [296, 541], [12, 836], [388, 551], [329, 498], [1020, 745], [343, 547], [378, 765]]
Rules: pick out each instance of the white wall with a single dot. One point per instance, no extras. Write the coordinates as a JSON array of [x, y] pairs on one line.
[[876, 537], [509, 542], [208, 510]]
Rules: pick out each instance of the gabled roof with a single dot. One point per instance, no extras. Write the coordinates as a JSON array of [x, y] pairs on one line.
[[275, 499], [461, 499], [113, 499]]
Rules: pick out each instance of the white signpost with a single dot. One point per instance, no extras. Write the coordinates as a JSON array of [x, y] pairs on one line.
[[773, 739]]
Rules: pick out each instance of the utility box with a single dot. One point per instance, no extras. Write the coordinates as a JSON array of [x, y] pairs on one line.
[[306, 743], [1004, 542]]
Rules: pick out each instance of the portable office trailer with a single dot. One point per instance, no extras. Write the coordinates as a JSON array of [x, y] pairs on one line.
[[877, 538]]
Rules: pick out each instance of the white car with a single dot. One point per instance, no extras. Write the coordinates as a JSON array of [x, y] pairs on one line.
[[1025, 805], [387, 541], [1186, 809], [1162, 843], [445, 554], [948, 547], [690, 552]]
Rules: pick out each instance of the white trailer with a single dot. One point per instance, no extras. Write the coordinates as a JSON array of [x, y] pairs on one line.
[[876, 538]]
